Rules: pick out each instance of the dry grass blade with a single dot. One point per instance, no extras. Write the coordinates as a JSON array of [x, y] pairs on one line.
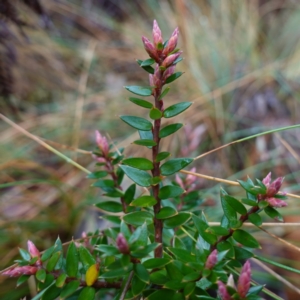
[[288, 147], [225, 181], [81, 91], [41, 142], [276, 275], [280, 240]]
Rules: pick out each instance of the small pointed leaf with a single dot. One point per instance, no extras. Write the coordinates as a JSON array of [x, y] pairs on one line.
[[174, 165], [140, 177], [245, 238], [176, 109], [170, 191], [178, 220], [170, 129], [145, 142], [147, 62], [140, 102], [139, 163], [137, 122], [144, 201], [138, 218], [87, 293], [173, 77], [166, 212], [72, 260], [155, 113], [162, 155], [164, 93], [140, 90], [110, 206]]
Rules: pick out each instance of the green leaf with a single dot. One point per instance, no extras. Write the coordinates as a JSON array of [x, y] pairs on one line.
[[176, 109], [142, 252], [52, 293], [46, 255], [173, 77], [97, 175], [69, 288], [60, 281], [141, 272], [164, 93], [263, 204], [25, 254], [161, 294], [141, 178], [241, 253], [145, 142], [219, 230], [166, 212], [236, 205], [178, 220], [174, 165], [147, 62], [226, 246], [170, 191], [273, 213], [86, 257], [179, 59], [162, 155], [118, 272], [44, 287], [41, 275], [149, 69], [140, 102], [87, 293], [249, 202], [193, 276], [140, 90], [255, 219], [229, 212], [170, 129], [158, 277], [110, 206], [155, 113], [137, 286], [72, 260], [156, 263], [138, 218], [53, 261], [139, 163], [137, 122], [201, 227], [245, 238], [22, 279], [129, 194], [144, 201], [182, 254], [108, 250]]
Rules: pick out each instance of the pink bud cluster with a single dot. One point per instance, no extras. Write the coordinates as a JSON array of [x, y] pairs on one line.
[[27, 270], [122, 244], [211, 260], [242, 287], [103, 146], [272, 190], [188, 184], [163, 56]]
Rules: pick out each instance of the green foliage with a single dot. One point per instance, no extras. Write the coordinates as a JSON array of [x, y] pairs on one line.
[[160, 245]]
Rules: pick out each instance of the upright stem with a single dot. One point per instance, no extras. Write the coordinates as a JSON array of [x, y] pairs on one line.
[[158, 224]]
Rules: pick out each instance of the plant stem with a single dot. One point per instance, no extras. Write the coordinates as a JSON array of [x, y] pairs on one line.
[[243, 219], [158, 224]]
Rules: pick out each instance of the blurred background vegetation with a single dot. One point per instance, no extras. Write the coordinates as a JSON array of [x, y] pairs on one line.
[[63, 65]]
